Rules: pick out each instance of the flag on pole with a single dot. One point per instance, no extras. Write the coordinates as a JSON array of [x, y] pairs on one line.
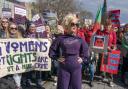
[[101, 17], [104, 13], [97, 20]]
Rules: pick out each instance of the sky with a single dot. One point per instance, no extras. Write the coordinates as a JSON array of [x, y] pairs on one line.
[[92, 6]]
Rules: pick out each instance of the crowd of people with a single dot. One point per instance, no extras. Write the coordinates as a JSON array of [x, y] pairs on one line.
[[70, 51]]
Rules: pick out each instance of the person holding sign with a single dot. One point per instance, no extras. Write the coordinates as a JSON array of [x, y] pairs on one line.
[[5, 32], [14, 33], [111, 46], [31, 33], [70, 51]]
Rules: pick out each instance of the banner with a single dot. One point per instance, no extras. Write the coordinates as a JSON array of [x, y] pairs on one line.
[[110, 62], [23, 55]]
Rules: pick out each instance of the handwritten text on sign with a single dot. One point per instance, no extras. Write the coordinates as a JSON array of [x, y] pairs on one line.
[[21, 55]]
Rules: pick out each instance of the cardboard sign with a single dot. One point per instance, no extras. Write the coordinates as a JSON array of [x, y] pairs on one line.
[[37, 20], [110, 62], [99, 43], [20, 14], [6, 12], [114, 15]]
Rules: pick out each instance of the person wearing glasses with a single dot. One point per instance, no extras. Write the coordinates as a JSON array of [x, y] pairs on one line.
[[4, 28], [6, 32], [70, 50], [14, 33]]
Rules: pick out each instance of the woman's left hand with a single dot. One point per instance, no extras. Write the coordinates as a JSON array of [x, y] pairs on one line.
[[62, 59], [80, 60]]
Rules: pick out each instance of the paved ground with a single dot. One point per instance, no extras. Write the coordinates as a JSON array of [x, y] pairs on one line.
[[8, 84], [97, 85]]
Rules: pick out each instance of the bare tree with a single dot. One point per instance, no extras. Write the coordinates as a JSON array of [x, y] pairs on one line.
[[62, 7]]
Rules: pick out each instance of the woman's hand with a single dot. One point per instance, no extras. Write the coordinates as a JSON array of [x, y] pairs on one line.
[[109, 49], [80, 60], [61, 59]]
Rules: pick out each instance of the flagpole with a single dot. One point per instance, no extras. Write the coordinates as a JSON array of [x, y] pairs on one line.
[[99, 3]]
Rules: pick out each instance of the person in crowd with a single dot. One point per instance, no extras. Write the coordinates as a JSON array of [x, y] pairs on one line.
[[30, 31], [115, 29], [55, 64], [47, 32], [123, 35], [80, 31], [14, 33], [70, 51], [60, 29], [108, 31], [93, 59], [47, 75], [37, 75], [124, 52], [88, 34], [4, 34], [4, 28], [98, 56]]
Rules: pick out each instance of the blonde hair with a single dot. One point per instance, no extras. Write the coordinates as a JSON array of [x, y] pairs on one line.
[[70, 18], [18, 34], [6, 30]]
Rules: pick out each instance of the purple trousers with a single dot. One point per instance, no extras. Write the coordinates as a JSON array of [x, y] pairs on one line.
[[69, 75]]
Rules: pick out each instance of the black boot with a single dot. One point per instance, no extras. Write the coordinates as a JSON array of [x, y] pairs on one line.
[[39, 84], [91, 84], [28, 83]]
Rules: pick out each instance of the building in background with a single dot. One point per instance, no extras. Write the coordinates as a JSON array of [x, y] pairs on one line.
[[8, 8], [88, 22]]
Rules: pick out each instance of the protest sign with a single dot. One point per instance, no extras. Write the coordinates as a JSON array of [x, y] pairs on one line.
[[114, 15], [22, 55], [37, 20], [50, 18], [99, 43], [110, 62], [6, 12], [20, 14]]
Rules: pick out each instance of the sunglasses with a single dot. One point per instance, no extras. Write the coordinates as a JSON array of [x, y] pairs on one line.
[[4, 21], [13, 28], [74, 24]]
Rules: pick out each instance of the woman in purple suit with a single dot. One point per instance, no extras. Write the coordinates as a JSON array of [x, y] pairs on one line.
[[70, 51]]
